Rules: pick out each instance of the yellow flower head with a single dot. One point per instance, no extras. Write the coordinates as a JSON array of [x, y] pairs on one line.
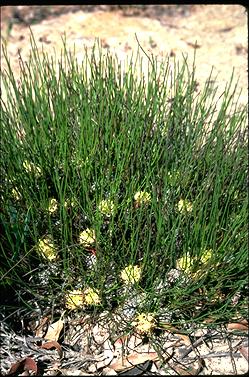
[[53, 206], [91, 296], [16, 194], [74, 299], [47, 249], [185, 263], [69, 203], [106, 207], [131, 274], [142, 197], [32, 168], [145, 322], [87, 237], [184, 206], [77, 299], [207, 254]]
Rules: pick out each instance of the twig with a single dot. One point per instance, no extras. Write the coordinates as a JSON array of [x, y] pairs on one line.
[[145, 52], [215, 354], [232, 356], [191, 347], [196, 344]]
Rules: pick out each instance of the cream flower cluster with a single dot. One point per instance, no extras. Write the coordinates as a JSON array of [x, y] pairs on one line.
[[106, 207], [184, 206], [185, 263], [144, 323], [47, 249], [87, 237], [30, 167], [206, 256], [74, 299], [142, 197], [91, 297], [52, 206], [131, 274], [77, 299], [16, 194]]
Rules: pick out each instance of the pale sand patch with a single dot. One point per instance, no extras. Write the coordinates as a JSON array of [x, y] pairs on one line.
[[219, 30]]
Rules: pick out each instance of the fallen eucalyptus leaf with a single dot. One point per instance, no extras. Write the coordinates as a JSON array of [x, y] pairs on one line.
[[52, 344], [24, 365], [54, 330], [185, 339], [243, 326], [244, 352], [131, 360]]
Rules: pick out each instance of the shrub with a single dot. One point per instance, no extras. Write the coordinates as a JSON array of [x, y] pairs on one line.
[[104, 168]]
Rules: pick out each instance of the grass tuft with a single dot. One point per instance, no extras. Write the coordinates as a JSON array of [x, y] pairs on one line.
[[114, 182]]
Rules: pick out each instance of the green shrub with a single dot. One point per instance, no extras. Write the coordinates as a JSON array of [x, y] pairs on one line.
[[104, 164]]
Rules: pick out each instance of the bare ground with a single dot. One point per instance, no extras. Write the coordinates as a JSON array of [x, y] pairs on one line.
[[220, 32]]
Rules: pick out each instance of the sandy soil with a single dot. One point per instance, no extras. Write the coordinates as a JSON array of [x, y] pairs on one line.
[[219, 30]]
